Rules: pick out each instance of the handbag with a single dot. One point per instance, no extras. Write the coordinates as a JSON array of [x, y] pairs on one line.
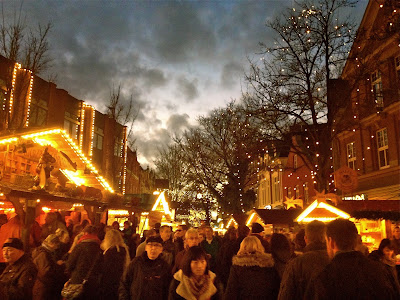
[[72, 291]]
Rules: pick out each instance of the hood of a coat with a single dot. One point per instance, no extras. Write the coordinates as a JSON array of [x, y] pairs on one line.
[[257, 259]]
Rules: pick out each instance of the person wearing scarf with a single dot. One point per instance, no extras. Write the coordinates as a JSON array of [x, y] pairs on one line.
[[195, 281], [85, 254], [50, 278]]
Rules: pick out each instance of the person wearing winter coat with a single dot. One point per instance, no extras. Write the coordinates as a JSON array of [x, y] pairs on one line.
[[349, 275], [192, 238], [85, 254], [16, 282], [300, 270], [195, 281], [282, 252], [116, 259], [385, 255], [252, 274], [147, 276], [50, 278]]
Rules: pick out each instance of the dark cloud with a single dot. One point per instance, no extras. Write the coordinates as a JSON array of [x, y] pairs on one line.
[[178, 123], [231, 74], [187, 89]]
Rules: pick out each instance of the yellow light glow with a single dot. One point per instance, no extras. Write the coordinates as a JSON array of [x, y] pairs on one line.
[[156, 193], [45, 142], [125, 159], [334, 210], [232, 220], [307, 211], [250, 220], [46, 209], [74, 147], [82, 125], [161, 198], [28, 110], [6, 141], [77, 205], [303, 216], [74, 177], [119, 212], [92, 132], [17, 66]]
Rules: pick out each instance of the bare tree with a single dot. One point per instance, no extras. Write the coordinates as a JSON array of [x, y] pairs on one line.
[[29, 47], [288, 88], [218, 155]]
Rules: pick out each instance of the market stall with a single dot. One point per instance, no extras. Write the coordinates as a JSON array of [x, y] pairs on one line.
[[274, 220]]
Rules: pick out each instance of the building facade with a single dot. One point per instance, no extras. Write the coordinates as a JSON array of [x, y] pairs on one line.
[[371, 147]]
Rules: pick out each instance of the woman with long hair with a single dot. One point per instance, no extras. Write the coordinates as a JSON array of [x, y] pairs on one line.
[[195, 280], [252, 275], [116, 259], [385, 254]]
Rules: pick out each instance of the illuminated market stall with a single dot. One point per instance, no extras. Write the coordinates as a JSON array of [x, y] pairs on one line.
[[42, 171], [274, 220]]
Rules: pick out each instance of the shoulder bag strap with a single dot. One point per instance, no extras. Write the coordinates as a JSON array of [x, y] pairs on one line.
[[91, 268]]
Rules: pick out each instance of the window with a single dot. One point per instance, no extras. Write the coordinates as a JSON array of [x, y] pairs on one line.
[[397, 64], [351, 155], [297, 192], [276, 190], [295, 161], [98, 137], [383, 148], [118, 148], [71, 125], [376, 82], [306, 192], [289, 192], [38, 113]]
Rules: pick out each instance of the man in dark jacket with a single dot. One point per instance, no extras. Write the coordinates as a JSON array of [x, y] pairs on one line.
[[148, 276], [350, 275], [16, 282], [300, 270]]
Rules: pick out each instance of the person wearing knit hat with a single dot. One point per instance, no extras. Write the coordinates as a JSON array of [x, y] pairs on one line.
[[16, 282], [147, 276]]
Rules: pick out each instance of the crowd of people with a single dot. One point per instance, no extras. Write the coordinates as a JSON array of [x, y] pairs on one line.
[[322, 261]]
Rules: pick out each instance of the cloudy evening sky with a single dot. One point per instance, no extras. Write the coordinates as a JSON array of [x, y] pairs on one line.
[[178, 59]]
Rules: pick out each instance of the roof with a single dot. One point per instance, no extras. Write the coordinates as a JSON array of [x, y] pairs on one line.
[[278, 216], [66, 152], [352, 206], [240, 219]]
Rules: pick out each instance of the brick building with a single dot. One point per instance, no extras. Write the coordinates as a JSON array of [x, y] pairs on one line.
[[371, 79]]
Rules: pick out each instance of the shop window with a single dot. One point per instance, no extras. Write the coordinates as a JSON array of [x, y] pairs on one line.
[[295, 161], [376, 82], [276, 190], [351, 155], [383, 148], [71, 128], [297, 192]]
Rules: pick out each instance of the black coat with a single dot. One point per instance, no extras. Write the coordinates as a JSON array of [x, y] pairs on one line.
[[16, 282], [301, 270], [252, 276], [113, 268], [145, 279], [351, 275], [81, 259]]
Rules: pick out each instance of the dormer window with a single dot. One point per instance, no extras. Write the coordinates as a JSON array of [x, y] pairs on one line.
[[376, 84]]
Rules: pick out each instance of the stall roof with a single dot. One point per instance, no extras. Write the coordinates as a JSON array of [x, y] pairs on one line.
[[277, 216], [372, 209], [239, 219], [68, 152]]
